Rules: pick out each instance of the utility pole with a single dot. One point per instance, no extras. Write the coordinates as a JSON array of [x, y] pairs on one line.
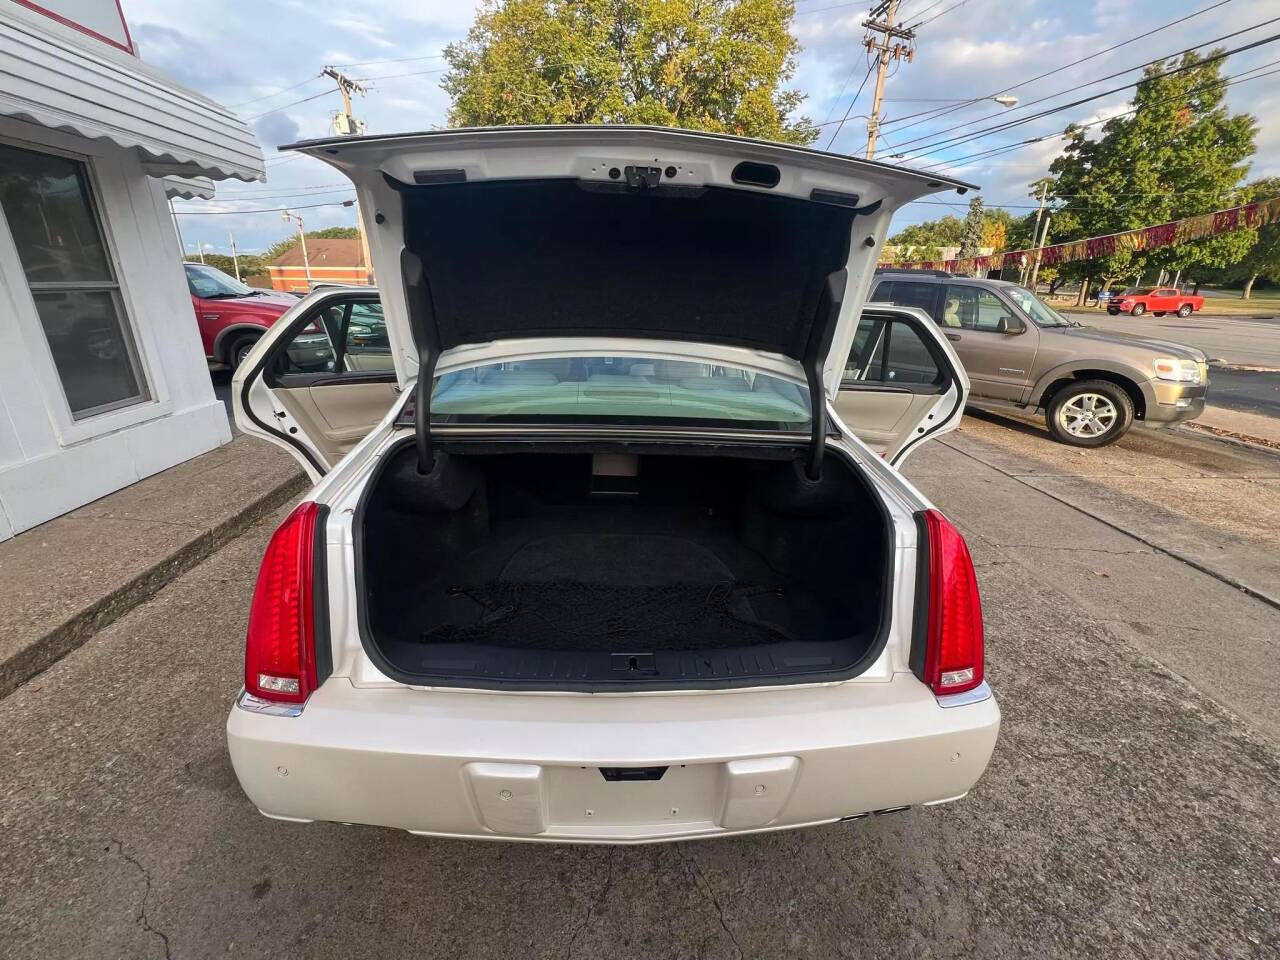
[[1035, 231], [345, 124], [1035, 267], [888, 42], [200, 249], [286, 216], [235, 257]]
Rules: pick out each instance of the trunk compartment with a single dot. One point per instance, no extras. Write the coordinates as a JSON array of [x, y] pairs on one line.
[[611, 567]]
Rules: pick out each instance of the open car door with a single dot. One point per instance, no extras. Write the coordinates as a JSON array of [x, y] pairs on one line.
[[320, 379], [902, 384]]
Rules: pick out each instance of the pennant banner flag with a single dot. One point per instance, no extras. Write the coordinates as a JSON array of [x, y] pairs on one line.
[[1247, 216]]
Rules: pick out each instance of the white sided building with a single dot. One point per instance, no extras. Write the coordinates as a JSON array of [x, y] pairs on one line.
[[103, 379]]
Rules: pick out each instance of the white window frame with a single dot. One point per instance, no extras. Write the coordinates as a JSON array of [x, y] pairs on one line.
[[109, 207]]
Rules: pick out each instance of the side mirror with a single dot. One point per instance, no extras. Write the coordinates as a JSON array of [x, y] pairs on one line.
[[1009, 325]]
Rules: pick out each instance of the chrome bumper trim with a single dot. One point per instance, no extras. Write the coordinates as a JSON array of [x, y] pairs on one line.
[[247, 701], [976, 695]]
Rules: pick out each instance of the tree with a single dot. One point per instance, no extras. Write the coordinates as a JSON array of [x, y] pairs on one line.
[[1263, 256], [328, 233], [973, 223], [715, 65], [935, 233], [1178, 154], [251, 264]]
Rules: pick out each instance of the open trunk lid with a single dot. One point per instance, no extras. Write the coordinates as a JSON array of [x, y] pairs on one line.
[[488, 235]]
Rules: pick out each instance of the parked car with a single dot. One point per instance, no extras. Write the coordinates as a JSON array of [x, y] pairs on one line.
[[231, 315], [1158, 300], [1115, 293], [630, 557], [1090, 384]]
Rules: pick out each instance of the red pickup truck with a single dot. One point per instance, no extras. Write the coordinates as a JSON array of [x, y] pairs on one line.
[[1159, 300]]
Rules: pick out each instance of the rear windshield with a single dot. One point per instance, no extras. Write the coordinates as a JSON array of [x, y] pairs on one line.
[[621, 389]]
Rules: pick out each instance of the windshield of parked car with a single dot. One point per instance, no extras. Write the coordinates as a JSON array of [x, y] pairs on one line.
[[1040, 312], [623, 389], [208, 283]]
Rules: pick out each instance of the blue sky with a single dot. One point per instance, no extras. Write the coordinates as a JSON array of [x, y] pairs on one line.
[[262, 56]]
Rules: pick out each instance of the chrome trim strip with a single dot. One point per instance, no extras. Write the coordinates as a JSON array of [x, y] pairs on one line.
[[247, 701], [976, 695]]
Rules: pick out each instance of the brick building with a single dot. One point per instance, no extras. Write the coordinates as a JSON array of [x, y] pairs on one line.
[[337, 260]]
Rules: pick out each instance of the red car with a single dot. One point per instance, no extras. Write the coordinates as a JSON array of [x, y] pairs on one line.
[[231, 315], [1159, 300]]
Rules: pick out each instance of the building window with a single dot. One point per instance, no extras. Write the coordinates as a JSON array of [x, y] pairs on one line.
[[50, 210]]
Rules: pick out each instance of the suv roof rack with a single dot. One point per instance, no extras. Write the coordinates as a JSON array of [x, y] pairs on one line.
[[927, 273]]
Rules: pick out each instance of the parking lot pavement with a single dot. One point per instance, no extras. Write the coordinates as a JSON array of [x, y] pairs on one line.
[[1126, 812], [1233, 340]]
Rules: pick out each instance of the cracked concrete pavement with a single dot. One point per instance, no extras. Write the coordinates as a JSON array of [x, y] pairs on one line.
[[1129, 809]]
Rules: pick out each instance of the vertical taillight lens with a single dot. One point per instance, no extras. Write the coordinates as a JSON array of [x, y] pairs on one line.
[[279, 654], [953, 651]]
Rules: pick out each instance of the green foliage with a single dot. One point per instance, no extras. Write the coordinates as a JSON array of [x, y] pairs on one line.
[[717, 65], [1262, 259], [971, 240], [251, 264], [1181, 153], [328, 233], [946, 232], [921, 241]]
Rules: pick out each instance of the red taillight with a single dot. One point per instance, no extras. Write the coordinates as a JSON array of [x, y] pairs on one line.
[[279, 651], [953, 653]]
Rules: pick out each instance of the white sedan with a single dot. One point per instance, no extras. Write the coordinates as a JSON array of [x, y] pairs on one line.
[[607, 541]]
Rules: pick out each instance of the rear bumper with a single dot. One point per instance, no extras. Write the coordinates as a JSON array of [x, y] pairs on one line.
[[527, 767]]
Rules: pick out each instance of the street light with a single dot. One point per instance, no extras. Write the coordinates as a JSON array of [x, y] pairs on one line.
[[286, 216], [1006, 100]]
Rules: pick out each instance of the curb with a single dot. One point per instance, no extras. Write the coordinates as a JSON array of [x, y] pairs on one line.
[[1231, 436], [49, 648]]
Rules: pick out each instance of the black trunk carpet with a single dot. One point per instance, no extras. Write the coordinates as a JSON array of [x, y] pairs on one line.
[[610, 591], [571, 615]]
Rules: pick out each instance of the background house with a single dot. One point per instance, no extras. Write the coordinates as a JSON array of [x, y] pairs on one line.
[[103, 379], [333, 260]]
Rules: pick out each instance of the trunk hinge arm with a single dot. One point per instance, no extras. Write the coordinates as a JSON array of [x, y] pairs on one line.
[[815, 357], [427, 338]]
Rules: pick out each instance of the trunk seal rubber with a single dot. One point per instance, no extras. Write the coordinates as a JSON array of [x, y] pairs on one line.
[[858, 667]]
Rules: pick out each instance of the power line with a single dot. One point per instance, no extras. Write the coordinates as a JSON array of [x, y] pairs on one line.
[[1010, 147], [370, 63], [314, 96], [397, 76], [1089, 83], [925, 23], [239, 213], [865, 78], [934, 114], [934, 147], [282, 196], [268, 96]]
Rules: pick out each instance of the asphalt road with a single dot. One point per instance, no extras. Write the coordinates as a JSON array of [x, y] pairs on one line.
[[1129, 809], [1253, 391], [1231, 340]]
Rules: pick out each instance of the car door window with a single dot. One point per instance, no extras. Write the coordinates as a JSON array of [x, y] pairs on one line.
[[890, 352], [342, 339], [973, 308], [907, 293]]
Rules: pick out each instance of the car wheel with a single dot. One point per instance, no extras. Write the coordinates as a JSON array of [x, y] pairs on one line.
[[1138, 309], [239, 350], [1090, 413], [1185, 310], [1113, 311]]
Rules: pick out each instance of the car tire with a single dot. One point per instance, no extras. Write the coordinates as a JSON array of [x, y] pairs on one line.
[[1138, 310], [1089, 413], [239, 350], [1113, 311], [1186, 310]]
